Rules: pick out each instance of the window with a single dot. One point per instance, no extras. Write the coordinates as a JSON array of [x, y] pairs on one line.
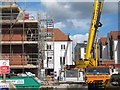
[[49, 58], [49, 47], [49, 61], [49, 35], [62, 46], [98, 70], [62, 60]]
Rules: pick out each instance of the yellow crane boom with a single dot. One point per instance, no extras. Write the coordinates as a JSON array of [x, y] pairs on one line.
[[98, 4], [95, 23]]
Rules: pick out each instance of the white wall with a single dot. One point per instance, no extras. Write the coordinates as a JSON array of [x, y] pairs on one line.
[[115, 51], [82, 53], [48, 54], [67, 53], [104, 52]]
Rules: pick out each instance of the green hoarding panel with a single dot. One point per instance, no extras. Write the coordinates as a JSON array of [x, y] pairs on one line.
[[24, 82]]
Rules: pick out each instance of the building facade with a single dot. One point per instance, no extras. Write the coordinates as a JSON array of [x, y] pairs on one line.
[[79, 50], [103, 48], [59, 52], [19, 37], [115, 45], [109, 47], [31, 47]]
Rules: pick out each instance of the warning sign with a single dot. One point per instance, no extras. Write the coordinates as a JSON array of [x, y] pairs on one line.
[[4, 66]]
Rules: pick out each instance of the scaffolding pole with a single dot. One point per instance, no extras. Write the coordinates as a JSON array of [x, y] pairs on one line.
[[16, 31], [44, 25]]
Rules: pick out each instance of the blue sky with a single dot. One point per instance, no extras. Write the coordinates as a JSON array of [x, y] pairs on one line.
[[75, 17]]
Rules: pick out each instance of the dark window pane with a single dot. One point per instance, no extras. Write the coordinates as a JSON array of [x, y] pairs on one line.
[[62, 46], [49, 47], [63, 60], [60, 60], [98, 70]]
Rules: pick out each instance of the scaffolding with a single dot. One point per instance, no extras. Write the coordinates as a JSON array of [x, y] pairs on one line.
[[15, 39], [46, 27], [24, 36]]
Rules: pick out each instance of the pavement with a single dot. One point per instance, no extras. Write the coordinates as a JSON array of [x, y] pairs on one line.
[[67, 87]]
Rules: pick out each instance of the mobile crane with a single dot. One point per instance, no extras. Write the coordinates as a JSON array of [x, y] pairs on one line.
[[95, 23], [94, 73]]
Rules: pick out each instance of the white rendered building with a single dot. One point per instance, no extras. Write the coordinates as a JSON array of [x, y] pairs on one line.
[[58, 52]]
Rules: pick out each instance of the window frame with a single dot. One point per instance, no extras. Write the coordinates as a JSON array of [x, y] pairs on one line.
[[49, 47], [63, 47], [62, 61]]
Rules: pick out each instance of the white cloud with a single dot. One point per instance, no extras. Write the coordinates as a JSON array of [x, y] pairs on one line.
[[60, 25], [75, 14], [73, 23], [79, 38], [82, 24], [72, 10], [62, 11], [67, 6]]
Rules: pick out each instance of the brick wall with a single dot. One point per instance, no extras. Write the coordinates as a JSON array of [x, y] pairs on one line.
[[16, 36], [16, 58]]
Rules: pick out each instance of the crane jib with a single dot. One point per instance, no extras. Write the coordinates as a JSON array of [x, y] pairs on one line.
[[95, 23]]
